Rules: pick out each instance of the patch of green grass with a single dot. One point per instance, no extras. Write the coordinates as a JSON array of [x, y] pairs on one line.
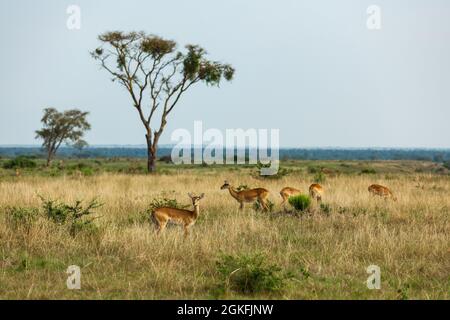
[[27, 262], [403, 292], [250, 274], [300, 202]]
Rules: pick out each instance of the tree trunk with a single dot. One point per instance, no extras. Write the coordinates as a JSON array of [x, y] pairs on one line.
[[151, 154], [49, 158]]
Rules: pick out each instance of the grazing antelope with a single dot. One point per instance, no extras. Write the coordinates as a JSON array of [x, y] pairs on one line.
[[379, 190], [288, 192], [250, 195], [316, 191], [180, 216]]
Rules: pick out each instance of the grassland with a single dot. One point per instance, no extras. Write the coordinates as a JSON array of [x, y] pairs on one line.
[[325, 251]]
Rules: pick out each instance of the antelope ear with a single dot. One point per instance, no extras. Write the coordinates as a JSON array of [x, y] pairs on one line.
[[202, 195], [190, 195]]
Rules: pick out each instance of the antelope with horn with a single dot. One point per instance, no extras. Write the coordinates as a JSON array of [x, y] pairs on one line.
[[250, 195], [180, 216]]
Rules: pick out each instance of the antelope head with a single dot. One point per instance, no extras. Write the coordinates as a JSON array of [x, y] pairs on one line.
[[195, 199], [226, 185]]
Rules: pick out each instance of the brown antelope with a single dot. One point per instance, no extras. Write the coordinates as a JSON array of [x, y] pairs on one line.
[[379, 190], [288, 192], [250, 195], [17, 173], [316, 191], [180, 216]]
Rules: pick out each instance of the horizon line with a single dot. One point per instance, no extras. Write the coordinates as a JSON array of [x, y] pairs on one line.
[[143, 146]]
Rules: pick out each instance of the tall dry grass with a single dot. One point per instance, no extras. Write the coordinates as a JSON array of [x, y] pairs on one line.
[[327, 253]]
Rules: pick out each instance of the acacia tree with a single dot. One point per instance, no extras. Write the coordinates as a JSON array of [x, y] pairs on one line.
[[67, 126], [156, 75]]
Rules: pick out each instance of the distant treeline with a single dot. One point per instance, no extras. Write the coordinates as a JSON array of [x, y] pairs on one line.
[[436, 155]]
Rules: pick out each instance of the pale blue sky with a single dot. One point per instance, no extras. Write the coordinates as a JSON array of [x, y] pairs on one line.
[[310, 68]]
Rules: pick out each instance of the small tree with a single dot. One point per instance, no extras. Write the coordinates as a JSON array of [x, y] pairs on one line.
[[68, 126], [156, 75]]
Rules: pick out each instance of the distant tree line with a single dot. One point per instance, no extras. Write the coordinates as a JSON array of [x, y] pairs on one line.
[[435, 155]]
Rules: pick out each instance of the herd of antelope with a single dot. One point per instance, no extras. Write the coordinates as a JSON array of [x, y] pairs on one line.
[[187, 218]]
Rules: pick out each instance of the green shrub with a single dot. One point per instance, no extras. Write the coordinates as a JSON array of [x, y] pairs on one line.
[[166, 159], [242, 187], [368, 171], [72, 216], [250, 274], [20, 162], [19, 216], [313, 169], [300, 202], [280, 173], [165, 202], [55, 211]]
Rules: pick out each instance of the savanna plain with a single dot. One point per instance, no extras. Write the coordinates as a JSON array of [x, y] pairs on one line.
[[319, 253]]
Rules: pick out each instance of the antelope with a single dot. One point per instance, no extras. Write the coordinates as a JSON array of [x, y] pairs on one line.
[[379, 190], [288, 192], [250, 195], [316, 191], [17, 172], [180, 216]]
